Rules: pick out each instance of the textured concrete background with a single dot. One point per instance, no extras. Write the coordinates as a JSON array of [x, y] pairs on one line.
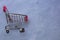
[[44, 19]]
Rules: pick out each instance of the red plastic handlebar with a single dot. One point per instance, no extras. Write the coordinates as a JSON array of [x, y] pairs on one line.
[[26, 18], [4, 8]]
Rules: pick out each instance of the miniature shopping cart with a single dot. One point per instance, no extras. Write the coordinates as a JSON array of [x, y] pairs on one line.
[[14, 21]]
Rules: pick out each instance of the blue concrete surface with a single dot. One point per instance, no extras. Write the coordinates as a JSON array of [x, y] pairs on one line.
[[44, 19]]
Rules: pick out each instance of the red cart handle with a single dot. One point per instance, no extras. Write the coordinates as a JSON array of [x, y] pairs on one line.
[[26, 18], [4, 8]]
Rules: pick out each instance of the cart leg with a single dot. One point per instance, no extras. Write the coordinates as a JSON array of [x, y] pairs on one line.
[[7, 29]]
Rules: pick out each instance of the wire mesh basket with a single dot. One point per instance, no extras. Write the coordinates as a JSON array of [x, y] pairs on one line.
[[14, 21]]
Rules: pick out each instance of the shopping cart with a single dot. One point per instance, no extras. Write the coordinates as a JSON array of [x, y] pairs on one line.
[[14, 21]]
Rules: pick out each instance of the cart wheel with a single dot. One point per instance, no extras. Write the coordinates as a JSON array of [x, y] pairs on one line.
[[22, 30], [7, 31]]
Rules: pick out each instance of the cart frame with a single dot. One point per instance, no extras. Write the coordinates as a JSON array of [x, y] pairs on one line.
[[12, 18]]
